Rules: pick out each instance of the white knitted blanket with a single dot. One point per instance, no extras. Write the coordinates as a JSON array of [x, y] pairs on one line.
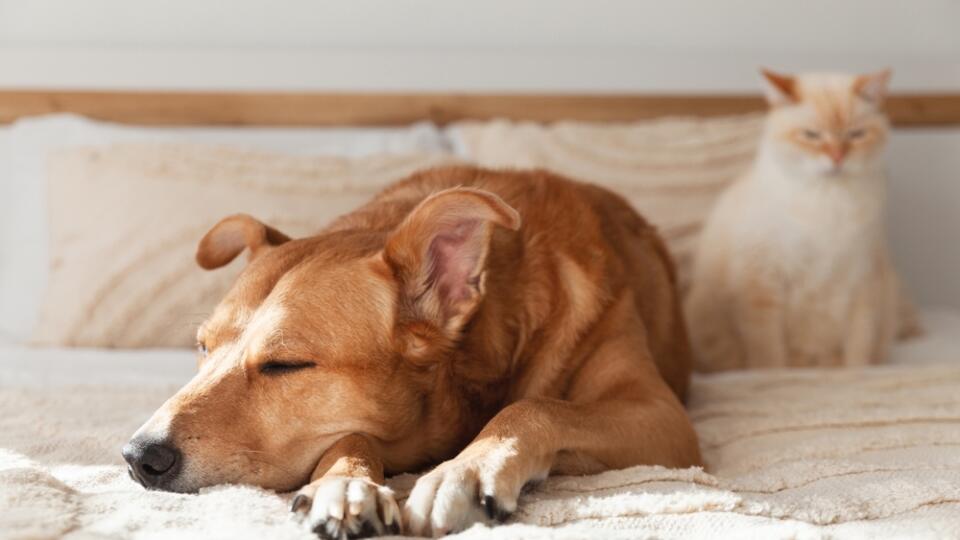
[[790, 454]]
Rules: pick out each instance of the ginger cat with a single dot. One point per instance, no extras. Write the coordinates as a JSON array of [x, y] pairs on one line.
[[792, 267]]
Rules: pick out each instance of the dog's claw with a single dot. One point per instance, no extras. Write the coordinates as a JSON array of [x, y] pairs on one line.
[[300, 502], [338, 530], [321, 531], [366, 530], [494, 510]]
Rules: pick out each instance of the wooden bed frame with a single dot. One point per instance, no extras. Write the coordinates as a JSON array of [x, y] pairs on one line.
[[328, 109]]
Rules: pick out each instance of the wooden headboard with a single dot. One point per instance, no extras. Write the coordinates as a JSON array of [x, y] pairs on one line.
[[328, 109]]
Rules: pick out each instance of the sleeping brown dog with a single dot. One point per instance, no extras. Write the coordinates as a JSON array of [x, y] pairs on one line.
[[504, 325]]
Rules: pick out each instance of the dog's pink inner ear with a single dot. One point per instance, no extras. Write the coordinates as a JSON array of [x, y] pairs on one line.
[[456, 258], [231, 236], [440, 249]]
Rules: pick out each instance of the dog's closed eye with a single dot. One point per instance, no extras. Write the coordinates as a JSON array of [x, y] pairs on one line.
[[275, 367]]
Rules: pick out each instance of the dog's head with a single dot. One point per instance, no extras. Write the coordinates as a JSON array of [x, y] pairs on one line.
[[319, 337]]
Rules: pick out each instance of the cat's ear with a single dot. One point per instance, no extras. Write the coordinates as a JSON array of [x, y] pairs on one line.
[[779, 89], [872, 86]]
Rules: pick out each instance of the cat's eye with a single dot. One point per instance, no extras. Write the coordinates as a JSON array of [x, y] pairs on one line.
[[811, 134], [282, 367], [855, 134]]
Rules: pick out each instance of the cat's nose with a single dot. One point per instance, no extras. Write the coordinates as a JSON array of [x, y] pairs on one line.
[[837, 154]]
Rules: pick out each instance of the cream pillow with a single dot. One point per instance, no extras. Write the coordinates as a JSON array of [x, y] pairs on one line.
[[125, 220], [670, 169], [26, 145]]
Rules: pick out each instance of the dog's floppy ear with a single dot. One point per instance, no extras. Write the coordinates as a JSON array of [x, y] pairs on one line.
[[232, 235], [438, 255]]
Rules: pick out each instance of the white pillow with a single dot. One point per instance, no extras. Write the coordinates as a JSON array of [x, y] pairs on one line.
[[25, 146]]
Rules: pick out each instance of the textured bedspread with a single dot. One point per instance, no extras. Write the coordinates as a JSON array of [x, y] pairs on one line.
[[801, 454]]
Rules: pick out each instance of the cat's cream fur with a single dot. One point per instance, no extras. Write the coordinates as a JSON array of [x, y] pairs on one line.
[[792, 267]]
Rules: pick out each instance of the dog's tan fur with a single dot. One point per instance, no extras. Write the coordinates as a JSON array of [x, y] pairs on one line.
[[432, 326]]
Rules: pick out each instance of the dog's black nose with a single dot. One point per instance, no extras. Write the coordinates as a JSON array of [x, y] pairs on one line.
[[152, 463]]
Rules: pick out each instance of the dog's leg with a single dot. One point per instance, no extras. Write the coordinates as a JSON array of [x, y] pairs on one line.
[[346, 497], [629, 419]]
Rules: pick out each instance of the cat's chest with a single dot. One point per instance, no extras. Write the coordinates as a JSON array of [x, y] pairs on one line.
[[823, 235]]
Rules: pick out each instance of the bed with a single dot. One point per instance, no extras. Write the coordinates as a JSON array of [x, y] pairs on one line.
[[790, 454], [859, 453]]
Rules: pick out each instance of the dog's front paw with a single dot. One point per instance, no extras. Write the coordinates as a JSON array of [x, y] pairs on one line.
[[340, 508], [459, 493]]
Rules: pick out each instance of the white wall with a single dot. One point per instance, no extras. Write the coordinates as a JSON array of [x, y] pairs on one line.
[[553, 45], [872, 27], [924, 212], [481, 44], [882, 27]]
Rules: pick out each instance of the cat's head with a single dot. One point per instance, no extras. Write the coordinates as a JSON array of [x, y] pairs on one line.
[[826, 124]]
